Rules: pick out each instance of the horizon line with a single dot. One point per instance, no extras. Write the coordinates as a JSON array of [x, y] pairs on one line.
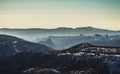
[[60, 28]]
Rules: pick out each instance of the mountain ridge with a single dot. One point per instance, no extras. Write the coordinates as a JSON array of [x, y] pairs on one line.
[[32, 34], [87, 27], [10, 45]]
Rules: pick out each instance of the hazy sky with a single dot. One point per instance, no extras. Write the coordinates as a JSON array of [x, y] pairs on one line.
[[60, 13]]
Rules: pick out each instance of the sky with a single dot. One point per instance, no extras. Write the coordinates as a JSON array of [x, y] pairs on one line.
[[60, 13]]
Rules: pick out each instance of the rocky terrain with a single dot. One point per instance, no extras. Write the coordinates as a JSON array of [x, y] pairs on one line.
[[23, 57]]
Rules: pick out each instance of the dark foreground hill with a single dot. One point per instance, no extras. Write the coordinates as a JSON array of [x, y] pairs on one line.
[[89, 48], [37, 63], [64, 62], [10, 45]]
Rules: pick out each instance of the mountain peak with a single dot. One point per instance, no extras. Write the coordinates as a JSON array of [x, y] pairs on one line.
[[85, 45]]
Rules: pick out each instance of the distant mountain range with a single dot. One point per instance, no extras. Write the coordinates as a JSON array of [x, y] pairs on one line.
[[63, 42], [10, 45], [33, 33], [49, 43]]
